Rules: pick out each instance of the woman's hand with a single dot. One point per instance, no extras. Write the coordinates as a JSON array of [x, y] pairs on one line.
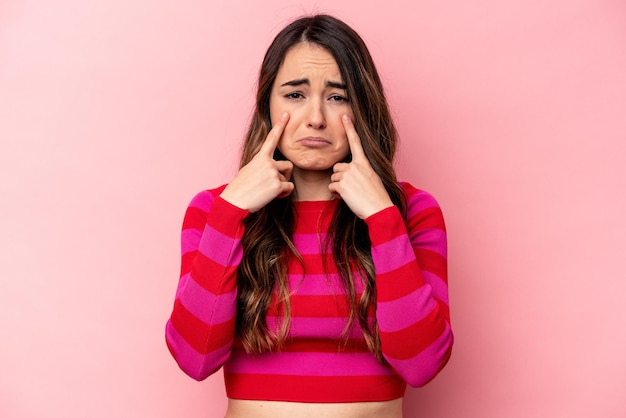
[[263, 178], [356, 182]]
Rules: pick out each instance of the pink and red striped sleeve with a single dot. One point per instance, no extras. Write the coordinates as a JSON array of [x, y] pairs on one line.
[[412, 287], [201, 328]]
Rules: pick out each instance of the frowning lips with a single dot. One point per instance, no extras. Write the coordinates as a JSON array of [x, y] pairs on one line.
[[314, 141]]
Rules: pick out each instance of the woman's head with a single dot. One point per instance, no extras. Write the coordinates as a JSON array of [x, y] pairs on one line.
[[363, 87]]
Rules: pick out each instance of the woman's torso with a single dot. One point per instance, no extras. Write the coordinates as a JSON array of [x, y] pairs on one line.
[[321, 360], [271, 409]]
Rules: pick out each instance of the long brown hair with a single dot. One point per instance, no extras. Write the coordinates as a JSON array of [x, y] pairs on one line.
[[267, 238]]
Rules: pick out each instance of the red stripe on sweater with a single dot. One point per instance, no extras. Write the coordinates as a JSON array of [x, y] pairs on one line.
[[186, 262], [314, 265], [195, 218], [398, 283], [210, 275], [204, 338], [420, 335], [385, 226], [445, 309], [426, 218], [433, 262], [326, 345], [315, 306], [314, 388], [222, 210]]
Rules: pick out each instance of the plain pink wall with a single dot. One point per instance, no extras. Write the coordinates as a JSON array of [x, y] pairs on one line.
[[113, 114]]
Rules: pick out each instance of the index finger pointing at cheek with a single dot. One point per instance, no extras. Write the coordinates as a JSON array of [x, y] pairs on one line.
[[353, 138], [271, 141]]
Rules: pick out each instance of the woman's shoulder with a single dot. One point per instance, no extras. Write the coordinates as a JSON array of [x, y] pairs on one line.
[[418, 198], [422, 209], [204, 199]]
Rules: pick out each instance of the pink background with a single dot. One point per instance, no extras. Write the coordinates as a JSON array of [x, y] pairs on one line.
[[113, 114]]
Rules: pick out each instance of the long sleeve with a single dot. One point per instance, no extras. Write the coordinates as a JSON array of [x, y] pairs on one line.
[[201, 328], [412, 287]]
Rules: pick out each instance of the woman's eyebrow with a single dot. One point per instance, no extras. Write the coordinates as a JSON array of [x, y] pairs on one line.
[[301, 81], [336, 85], [297, 82]]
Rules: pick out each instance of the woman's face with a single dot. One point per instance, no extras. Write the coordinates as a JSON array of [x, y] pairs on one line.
[[309, 87]]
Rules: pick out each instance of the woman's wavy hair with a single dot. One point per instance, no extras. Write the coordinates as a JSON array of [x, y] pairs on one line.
[[267, 243]]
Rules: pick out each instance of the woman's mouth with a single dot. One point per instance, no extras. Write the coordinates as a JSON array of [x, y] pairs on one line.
[[314, 141]]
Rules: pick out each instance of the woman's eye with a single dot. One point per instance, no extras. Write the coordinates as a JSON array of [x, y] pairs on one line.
[[294, 95], [338, 98]]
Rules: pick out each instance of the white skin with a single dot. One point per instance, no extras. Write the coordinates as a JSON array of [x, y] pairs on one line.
[[313, 129]]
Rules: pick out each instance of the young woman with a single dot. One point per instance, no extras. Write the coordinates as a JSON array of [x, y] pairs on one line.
[[315, 278]]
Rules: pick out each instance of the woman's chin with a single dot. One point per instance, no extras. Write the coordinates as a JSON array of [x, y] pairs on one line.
[[313, 166]]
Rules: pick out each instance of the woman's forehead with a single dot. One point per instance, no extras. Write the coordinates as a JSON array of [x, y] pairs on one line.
[[306, 60]]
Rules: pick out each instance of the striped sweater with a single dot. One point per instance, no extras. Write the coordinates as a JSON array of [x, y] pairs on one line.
[[317, 363]]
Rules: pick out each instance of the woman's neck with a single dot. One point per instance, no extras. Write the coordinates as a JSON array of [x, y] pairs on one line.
[[311, 185]]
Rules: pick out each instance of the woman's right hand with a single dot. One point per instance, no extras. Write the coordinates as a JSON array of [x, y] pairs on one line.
[[263, 179]]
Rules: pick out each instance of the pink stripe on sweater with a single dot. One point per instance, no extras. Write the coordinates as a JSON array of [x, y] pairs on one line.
[[392, 254], [204, 304], [196, 365], [202, 200], [405, 311], [220, 248], [431, 239], [190, 239], [420, 201], [309, 243], [440, 288], [182, 282], [306, 364], [418, 370], [319, 284]]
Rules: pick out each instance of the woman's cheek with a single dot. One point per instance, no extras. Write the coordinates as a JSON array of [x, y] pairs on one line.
[[284, 143]]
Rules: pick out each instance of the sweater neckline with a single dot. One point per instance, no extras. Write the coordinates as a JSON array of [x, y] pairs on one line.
[[315, 205]]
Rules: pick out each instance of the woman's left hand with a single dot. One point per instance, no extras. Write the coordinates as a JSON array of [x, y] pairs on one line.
[[356, 182]]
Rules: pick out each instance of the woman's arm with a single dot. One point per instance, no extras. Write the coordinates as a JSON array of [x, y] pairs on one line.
[[200, 331], [412, 287]]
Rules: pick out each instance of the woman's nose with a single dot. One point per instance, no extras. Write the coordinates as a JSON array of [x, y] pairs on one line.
[[317, 119]]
